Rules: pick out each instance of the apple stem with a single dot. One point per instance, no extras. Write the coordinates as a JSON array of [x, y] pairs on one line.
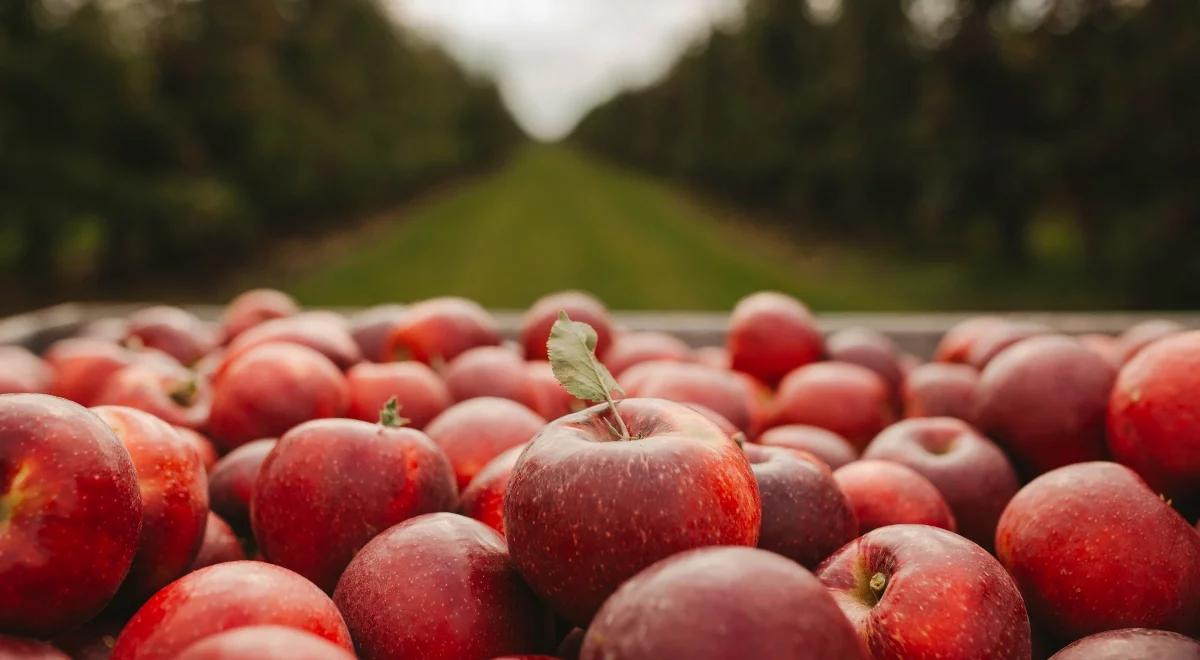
[[877, 584], [185, 392], [612, 403], [389, 415]]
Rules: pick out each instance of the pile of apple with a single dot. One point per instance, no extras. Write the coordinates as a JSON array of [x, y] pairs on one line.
[[290, 484]]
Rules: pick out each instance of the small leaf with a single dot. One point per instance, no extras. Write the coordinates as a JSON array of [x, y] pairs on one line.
[[389, 415], [572, 351]]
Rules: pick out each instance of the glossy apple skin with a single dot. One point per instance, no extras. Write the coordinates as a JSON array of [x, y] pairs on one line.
[[578, 512], [1141, 335], [475, 431], [772, 334], [1132, 644], [1154, 416], [232, 482], [551, 401], [884, 493], [630, 348], [847, 399], [719, 390], [825, 445], [324, 332], [17, 648], [330, 485], [203, 446], [172, 393], [440, 586], [941, 390], [970, 471], [943, 596], [173, 331], [580, 306], [82, 366], [1044, 401], [220, 544], [253, 307], [70, 514], [226, 596], [805, 516], [490, 371], [768, 608], [371, 327], [439, 329], [1093, 548], [483, 498], [265, 643], [870, 349], [22, 371], [419, 391], [996, 339], [174, 493], [271, 388]]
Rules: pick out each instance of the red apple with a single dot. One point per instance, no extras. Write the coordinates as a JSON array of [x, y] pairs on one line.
[[1132, 644], [440, 586], [70, 514], [1141, 335], [483, 498], [475, 431], [721, 603], [330, 485], [721, 391], [271, 388], [371, 327], [439, 329], [587, 509], [770, 335], [914, 591], [551, 401], [825, 445], [265, 643], [956, 344], [847, 399], [941, 390], [867, 348], [253, 307], [420, 392], [1044, 401], [17, 648], [717, 418], [223, 597], [111, 329], [1094, 549], [203, 446], [22, 371], [172, 330], [805, 516], [83, 365], [220, 544], [490, 371], [324, 332], [713, 356], [170, 392], [580, 306], [174, 499], [232, 483], [1106, 346], [630, 348], [995, 339], [971, 472], [883, 493], [1154, 416]]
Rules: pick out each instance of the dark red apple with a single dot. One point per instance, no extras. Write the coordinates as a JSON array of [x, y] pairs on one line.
[[371, 327], [883, 493], [475, 431], [940, 389], [969, 470], [994, 340], [867, 348], [490, 371], [223, 597], [1141, 335], [70, 514], [22, 371], [586, 509], [805, 516], [847, 399], [203, 446], [232, 482], [914, 591], [721, 603], [1132, 644], [1093, 548], [580, 306], [271, 388], [172, 393], [174, 499], [483, 498], [772, 334], [173, 331], [419, 391], [253, 307], [1044, 401], [324, 332], [18, 648], [721, 391], [825, 445], [437, 330], [220, 544], [956, 344], [330, 485], [440, 586], [551, 401], [630, 348], [265, 643]]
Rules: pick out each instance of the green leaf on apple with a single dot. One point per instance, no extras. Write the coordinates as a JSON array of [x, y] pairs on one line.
[[572, 352]]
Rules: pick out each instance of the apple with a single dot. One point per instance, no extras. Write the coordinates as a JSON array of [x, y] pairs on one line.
[[1132, 644], [941, 389], [717, 418], [271, 388], [721, 603], [232, 483], [849, 400], [914, 591], [324, 332], [1154, 416], [630, 348], [1141, 335], [884, 493], [995, 339], [223, 597], [719, 390], [437, 330], [483, 498], [330, 485], [587, 509], [70, 514], [770, 335], [805, 516], [490, 371], [1106, 346], [1044, 401], [867, 348], [580, 306], [825, 445], [220, 544], [970, 471], [371, 327], [420, 393], [22, 371], [253, 307], [551, 401], [265, 643], [82, 366], [17, 648], [203, 446], [955, 345], [1093, 549], [440, 586], [475, 431], [168, 391], [172, 330], [174, 494], [713, 356]]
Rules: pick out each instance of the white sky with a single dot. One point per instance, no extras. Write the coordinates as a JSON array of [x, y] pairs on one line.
[[554, 60]]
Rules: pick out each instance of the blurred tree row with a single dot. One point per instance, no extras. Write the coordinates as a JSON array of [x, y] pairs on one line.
[[143, 136], [993, 131]]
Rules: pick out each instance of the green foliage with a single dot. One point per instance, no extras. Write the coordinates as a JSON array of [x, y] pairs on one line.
[[572, 352]]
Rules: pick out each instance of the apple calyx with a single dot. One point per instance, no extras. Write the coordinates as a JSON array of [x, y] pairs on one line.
[[572, 352], [389, 415], [184, 392], [877, 584]]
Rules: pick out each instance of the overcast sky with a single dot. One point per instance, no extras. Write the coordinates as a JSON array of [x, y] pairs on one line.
[[554, 60]]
